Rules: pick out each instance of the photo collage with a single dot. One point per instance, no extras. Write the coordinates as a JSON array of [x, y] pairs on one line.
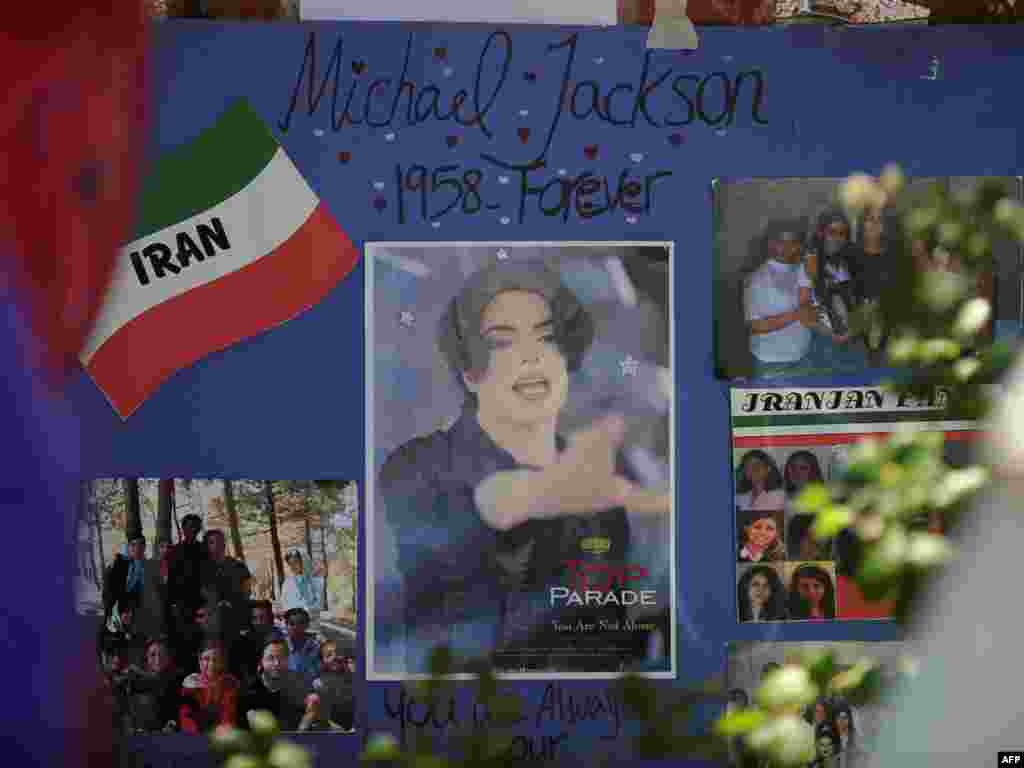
[[784, 440]]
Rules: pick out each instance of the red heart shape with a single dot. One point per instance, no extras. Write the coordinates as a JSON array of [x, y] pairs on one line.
[[590, 151], [358, 67], [524, 134], [452, 141], [344, 157]]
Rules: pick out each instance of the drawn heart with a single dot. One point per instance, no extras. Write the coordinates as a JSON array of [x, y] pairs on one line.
[[380, 203], [636, 157], [503, 179], [378, 185], [676, 139], [452, 141], [505, 219], [344, 157], [590, 151], [530, 77], [524, 134], [441, 53], [358, 67]]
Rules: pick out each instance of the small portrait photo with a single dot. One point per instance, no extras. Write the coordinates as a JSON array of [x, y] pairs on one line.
[[760, 536], [761, 593], [803, 467], [792, 269], [812, 591], [520, 460], [801, 543], [758, 481]]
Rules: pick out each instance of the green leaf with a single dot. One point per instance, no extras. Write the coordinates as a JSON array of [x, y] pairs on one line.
[[812, 498], [822, 669], [381, 747], [831, 520], [739, 722]]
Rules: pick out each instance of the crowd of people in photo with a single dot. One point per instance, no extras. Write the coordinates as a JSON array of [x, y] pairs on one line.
[[799, 299], [837, 743], [184, 648]]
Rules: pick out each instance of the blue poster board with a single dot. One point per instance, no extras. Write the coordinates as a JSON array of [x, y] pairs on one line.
[[538, 106]]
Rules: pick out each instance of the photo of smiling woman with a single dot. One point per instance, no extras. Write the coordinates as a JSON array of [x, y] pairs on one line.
[[760, 536], [812, 592], [759, 482], [529, 525]]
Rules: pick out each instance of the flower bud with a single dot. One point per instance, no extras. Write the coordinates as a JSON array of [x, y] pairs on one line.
[[788, 686], [892, 179], [860, 191], [926, 550], [288, 754], [972, 317], [263, 723], [381, 746]]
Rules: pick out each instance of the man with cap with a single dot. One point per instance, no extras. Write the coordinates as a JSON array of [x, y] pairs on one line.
[[777, 302]]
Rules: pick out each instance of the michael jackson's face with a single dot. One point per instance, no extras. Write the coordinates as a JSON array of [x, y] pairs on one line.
[[526, 381]]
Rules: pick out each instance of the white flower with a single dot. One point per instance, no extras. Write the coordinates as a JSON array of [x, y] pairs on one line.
[[957, 484], [891, 179], [787, 740], [381, 746], [964, 369], [1008, 212], [263, 723], [940, 290], [972, 317], [288, 754], [928, 549], [902, 349], [950, 231], [932, 350], [243, 761], [867, 451], [228, 738], [860, 191], [788, 686]]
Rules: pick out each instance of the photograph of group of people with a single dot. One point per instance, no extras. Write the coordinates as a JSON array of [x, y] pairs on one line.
[[793, 268], [519, 428], [784, 572], [211, 599], [844, 735]]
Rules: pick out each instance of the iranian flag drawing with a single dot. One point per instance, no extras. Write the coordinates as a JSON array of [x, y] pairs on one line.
[[231, 242]]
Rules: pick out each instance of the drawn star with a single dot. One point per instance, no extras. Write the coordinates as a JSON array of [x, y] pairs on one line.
[[630, 366], [502, 254], [407, 318]]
